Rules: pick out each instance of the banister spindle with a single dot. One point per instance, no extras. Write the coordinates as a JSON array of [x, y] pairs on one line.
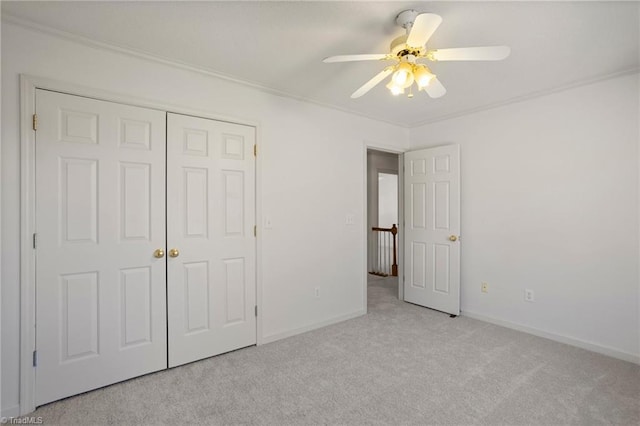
[[394, 267]]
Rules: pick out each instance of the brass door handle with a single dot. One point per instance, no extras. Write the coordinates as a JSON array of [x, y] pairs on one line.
[[158, 253], [453, 238], [174, 252]]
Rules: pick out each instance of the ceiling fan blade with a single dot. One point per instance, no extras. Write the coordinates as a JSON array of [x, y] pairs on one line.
[[350, 58], [487, 53], [423, 28], [435, 89], [372, 83]]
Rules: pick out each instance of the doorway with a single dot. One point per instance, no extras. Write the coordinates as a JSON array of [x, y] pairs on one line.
[[427, 239], [383, 245]]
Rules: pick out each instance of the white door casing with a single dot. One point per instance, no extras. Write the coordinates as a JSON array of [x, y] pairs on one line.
[[100, 214], [432, 228], [211, 218]]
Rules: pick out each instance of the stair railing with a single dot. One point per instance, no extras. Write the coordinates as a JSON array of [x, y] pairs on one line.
[[383, 258]]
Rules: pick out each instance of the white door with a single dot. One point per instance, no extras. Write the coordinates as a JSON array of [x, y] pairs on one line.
[[211, 243], [432, 228], [100, 215]]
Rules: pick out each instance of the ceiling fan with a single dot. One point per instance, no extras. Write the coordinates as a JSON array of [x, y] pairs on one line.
[[407, 49]]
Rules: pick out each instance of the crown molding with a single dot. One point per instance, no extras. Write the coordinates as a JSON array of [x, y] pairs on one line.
[[527, 97], [139, 54]]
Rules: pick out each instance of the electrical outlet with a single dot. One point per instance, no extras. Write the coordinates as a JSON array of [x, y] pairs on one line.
[[484, 287], [529, 296], [316, 292]]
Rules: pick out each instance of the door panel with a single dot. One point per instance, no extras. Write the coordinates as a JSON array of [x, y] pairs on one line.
[[211, 215], [100, 214], [135, 213], [432, 221]]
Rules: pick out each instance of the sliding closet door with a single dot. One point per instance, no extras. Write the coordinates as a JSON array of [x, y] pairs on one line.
[[210, 242], [100, 216]]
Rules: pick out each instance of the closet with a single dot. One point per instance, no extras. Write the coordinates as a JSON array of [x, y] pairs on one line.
[[145, 246]]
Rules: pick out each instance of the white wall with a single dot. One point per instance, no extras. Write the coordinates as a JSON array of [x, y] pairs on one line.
[[550, 203], [312, 176]]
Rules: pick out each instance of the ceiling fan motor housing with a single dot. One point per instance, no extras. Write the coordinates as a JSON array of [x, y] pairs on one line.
[[400, 49]]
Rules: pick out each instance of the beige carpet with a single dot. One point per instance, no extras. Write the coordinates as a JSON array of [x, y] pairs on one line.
[[400, 364]]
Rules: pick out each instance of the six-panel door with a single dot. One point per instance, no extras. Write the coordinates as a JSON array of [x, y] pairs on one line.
[[211, 218], [100, 197], [105, 195], [432, 228]]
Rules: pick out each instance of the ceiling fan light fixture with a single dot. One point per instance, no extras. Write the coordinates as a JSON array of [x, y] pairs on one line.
[[394, 88], [403, 77], [422, 76]]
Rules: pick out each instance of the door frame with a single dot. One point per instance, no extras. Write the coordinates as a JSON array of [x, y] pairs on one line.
[[28, 86], [367, 145]]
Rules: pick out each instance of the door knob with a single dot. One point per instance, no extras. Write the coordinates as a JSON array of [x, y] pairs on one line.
[[174, 252], [158, 253], [453, 238]]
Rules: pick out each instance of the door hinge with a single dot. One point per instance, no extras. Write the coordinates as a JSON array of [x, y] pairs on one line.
[[35, 240], [255, 231], [255, 150], [35, 121], [256, 309], [35, 358]]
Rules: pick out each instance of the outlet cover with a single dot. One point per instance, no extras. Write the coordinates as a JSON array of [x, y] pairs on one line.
[[529, 296], [484, 287]]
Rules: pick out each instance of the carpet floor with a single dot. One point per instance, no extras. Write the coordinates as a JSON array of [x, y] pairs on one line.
[[399, 364]]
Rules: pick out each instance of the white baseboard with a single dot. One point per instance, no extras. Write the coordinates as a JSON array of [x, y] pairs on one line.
[[11, 411], [590, 346], [283, 335]]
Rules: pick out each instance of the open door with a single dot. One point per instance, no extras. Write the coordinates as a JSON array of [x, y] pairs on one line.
[[432, 228]]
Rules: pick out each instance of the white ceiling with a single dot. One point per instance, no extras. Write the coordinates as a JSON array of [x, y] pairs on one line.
[[280, 45]]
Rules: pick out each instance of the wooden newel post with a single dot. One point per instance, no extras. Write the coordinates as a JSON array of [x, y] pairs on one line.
[[394, 267]]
